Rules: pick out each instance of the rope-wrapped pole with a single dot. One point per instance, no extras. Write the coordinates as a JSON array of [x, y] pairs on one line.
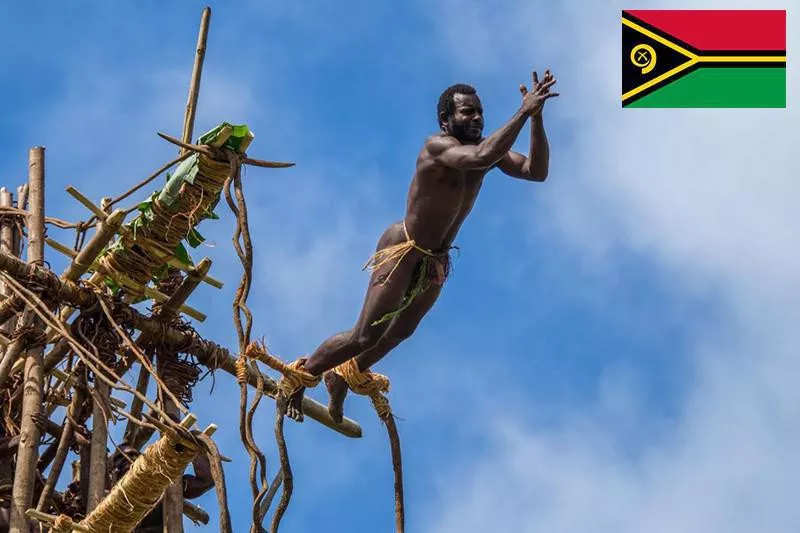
[[141, 488], [28, 452]]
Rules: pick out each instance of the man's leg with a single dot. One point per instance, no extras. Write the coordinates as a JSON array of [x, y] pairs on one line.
[[400, 329], [381, 298]]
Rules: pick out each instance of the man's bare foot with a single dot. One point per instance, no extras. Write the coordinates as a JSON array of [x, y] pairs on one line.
[[294, 408], [337, 388]]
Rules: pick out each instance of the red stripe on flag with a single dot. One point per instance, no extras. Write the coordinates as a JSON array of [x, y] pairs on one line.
[[721, 29]]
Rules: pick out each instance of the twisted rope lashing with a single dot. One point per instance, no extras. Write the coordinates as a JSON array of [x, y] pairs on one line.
[[145, 252], [141, 488]]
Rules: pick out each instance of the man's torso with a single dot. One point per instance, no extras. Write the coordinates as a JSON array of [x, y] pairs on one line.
[[439, 200]]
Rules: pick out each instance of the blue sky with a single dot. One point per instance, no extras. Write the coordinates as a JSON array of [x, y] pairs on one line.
[[616, 346]]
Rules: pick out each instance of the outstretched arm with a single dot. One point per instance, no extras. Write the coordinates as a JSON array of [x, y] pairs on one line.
[[449, 152], [536, 166]]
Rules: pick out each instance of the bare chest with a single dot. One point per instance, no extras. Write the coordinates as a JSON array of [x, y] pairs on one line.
[[465, 182]]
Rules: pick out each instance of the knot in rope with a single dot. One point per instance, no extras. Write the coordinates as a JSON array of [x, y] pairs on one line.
[[367, 383], [295, 377], [241, 370]]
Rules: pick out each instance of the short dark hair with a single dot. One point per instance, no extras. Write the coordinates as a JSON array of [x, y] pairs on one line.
[[446, 99]]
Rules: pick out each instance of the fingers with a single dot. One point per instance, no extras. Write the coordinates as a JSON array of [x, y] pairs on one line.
[[544, 87], [523, 90], [535, 78]]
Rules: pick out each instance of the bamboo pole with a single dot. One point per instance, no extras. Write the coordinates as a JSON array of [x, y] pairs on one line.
[[197, 72], [27, 454]]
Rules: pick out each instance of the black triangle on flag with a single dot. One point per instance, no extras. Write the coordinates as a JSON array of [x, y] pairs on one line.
[[646, 55]]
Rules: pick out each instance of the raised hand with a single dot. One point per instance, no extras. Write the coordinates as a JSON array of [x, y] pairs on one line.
[[533, 102]]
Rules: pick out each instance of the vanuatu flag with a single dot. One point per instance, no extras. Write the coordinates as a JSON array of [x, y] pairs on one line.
[[697, 58]]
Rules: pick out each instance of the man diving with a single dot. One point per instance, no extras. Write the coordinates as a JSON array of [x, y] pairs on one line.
[[412, 260]]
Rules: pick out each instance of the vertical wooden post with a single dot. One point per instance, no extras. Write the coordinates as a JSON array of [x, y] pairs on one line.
[[7, 246], [28, 452], [173, 497], [6, 238], [197, 72], [98, 457], [22, 203], [84, 463]]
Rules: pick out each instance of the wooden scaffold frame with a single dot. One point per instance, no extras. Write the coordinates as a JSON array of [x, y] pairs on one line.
[[69, 342]]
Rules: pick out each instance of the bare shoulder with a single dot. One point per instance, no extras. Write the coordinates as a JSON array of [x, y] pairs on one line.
[[438, 143], [428, 162]]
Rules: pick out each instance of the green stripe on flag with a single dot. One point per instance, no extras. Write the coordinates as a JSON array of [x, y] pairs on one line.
[[722, 87]]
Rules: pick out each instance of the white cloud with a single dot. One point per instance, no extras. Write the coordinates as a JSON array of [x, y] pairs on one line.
[[707, 197]]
